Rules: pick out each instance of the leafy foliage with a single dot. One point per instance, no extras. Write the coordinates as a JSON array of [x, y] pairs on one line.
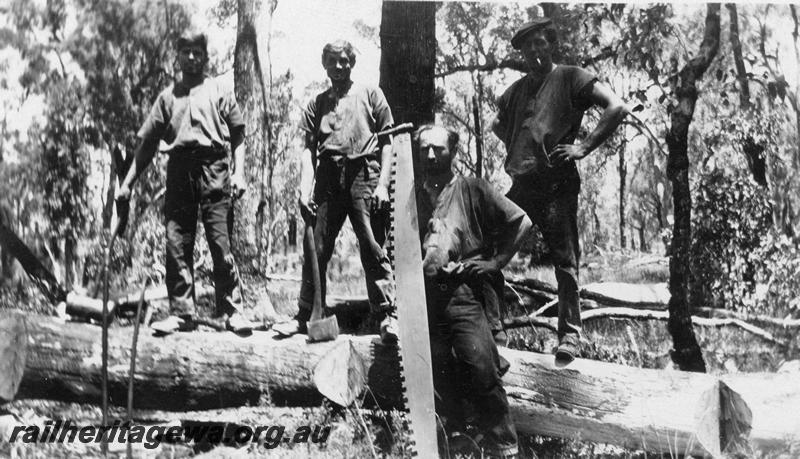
[[777, 263], [65, 142], [731, 215]]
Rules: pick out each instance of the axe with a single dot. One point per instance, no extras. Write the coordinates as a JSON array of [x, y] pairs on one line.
[[319, 328]]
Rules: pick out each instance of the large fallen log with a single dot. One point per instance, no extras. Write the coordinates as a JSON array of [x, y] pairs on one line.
[[655, 410]]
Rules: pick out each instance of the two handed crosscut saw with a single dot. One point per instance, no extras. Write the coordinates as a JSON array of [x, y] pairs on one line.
[[415, 352]]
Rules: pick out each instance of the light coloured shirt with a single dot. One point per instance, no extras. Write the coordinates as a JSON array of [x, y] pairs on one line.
[[343, 126], [190, 118]]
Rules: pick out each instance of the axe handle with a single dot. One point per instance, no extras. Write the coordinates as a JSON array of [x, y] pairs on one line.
[[316, 311]]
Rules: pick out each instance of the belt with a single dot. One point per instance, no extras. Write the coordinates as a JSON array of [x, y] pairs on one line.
[[198, 154], [344, 163], [339, 157]]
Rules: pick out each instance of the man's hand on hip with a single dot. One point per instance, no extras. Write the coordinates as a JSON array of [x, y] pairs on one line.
[[565, 153], [238, 185], [479, 268], [380, 198], [123, 193]]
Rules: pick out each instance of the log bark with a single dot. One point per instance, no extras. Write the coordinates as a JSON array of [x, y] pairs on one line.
[[13, 354], [187, 370], [654, 410], [686, 351]]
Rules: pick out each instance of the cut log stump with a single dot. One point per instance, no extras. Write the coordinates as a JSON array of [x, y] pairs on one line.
[[13, 354]]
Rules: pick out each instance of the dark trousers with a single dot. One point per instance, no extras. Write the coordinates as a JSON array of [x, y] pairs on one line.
[[554, 210], [344, 190], [193, 183], [492, 296], [466, 365]]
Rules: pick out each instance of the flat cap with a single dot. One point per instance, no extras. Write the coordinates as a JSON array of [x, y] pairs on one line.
[[528, 27]]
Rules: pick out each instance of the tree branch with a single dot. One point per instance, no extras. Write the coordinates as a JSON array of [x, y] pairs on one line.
[[513, 64], [736, 44]]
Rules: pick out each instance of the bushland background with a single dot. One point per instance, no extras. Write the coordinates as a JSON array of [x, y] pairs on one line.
[[699, 191]]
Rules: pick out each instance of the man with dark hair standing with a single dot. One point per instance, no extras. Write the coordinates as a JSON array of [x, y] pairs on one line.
[[473, 232], [351, 167], [538, 121], [195, 117]]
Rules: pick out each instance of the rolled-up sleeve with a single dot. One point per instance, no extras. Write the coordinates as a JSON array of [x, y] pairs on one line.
[[308, 118], [581, 83], [156, 122], [380, 110], [232, 112], [503, 126]]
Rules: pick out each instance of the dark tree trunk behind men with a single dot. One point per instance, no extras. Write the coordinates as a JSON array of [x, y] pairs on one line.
[[251, 95], [623, 174], [736, 46], [476, 115], [686, 352], [408, 59]]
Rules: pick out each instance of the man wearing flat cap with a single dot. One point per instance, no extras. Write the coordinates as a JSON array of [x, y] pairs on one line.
[[192, 121], [538, 120]]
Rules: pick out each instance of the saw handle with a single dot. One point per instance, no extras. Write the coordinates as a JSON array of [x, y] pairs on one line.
[[395, 130]]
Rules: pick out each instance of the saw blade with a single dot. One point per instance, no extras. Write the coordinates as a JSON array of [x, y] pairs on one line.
[[415, 353]]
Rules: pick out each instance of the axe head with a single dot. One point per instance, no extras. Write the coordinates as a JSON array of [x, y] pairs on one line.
[[326, 329]]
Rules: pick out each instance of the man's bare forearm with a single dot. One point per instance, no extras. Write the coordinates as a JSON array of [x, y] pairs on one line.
[[512, 240], [306, 173], [609, 121], [614, 111], [238, 149], [142, 158]]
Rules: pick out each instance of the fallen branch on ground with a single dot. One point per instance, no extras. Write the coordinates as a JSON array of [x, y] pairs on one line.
[[639, 314], [725, 313]]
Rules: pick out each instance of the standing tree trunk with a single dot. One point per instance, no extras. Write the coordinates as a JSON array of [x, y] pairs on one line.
[[252, 98], [266, 200], [623, 173], [686, 352], [754, 152], [736, 47], [476, 114], [408, 59]]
